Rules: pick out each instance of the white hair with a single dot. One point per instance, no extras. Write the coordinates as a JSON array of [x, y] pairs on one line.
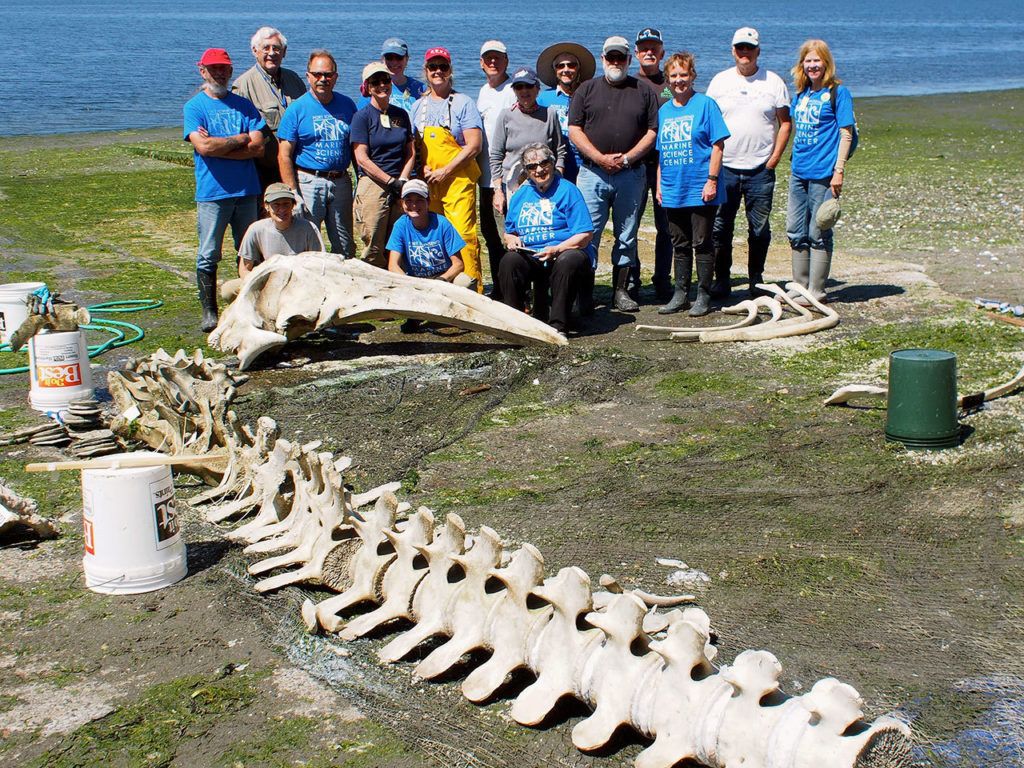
[[265, 33]]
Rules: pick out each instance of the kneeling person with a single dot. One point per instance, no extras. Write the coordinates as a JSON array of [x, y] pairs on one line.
[[547, 229], [281, 233]]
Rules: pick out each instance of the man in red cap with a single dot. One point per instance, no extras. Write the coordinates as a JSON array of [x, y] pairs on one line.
[[226, 132]]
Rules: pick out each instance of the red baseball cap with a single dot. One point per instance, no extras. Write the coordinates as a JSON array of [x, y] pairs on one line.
[[213, 56], [436, 53]]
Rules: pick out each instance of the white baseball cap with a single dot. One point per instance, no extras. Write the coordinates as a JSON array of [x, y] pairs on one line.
[[615, 43], [746, 36], [493, 45]]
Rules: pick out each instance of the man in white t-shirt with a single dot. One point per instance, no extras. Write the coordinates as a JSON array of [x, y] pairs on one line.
[[755, 105], [495, 95]]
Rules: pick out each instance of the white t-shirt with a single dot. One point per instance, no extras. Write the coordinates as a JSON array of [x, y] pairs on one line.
[[749, 107], [490, 102]]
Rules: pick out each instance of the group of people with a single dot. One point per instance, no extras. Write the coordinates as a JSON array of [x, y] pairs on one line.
[[539, 171]]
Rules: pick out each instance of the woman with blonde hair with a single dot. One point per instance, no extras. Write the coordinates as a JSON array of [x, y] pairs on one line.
[[823, 126]]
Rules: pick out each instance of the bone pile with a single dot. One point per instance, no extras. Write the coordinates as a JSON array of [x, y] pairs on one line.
[[287, 297], [618, 651], [752, 327]]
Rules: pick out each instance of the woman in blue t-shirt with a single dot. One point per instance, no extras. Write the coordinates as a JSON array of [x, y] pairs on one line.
[[823, 124], [547, 229], [691, 138]]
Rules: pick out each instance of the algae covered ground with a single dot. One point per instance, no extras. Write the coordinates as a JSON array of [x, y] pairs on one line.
[[804, 531]]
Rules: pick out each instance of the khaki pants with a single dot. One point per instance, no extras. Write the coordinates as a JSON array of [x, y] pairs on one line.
[[374, 220]]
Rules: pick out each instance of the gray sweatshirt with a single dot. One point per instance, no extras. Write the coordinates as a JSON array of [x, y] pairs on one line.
[[514, 131]]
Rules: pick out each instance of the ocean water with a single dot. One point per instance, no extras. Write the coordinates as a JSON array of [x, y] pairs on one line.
[[82, 65]]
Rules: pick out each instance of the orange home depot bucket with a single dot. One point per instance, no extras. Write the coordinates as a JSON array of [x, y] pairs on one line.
[[59, 370], [132, 537]]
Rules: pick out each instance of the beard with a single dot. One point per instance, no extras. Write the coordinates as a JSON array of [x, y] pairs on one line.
[[614, 74], [216, 90]]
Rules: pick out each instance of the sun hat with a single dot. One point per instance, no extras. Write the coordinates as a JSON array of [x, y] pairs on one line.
[[493, 45], [416, 187], [214, 56], [746, 36], [437, 52], [547, 58], [395, 46], [615, 43], [828, 214], [373, 68], [278, 191]]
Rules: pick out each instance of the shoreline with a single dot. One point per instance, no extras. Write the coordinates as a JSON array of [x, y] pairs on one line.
[[129, 132]]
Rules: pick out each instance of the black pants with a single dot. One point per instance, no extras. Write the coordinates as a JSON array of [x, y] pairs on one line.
[[690, 230], [562, 278], [492, 237]]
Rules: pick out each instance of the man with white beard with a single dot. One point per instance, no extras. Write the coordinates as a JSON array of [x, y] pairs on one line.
[[613, 121], [226, 132]]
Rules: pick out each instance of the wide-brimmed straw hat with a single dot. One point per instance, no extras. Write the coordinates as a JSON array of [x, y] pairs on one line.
[[546, 60]]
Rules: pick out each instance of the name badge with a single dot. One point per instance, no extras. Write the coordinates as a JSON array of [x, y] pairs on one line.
[[385, 121]]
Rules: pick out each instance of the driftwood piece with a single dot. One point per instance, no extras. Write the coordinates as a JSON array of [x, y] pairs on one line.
[[287, 297]]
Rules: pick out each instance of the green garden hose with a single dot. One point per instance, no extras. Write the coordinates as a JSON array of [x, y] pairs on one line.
[[116, 328]]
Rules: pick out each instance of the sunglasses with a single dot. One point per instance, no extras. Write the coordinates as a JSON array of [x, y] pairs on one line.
[[322, 75], [566, 65], [615, 58], [441, 66], [744, 47], [375, 81], [522, 87], [536, 166]]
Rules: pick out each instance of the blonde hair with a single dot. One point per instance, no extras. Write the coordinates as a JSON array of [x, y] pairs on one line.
[[682, 59], [800, 79], [451, 73]]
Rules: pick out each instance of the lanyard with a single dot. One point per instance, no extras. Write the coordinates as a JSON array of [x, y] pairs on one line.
[[278, 92]]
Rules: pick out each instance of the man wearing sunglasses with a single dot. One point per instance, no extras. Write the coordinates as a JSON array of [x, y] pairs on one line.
[[226, 133], [272, 88], [755, 105], [613, 121], [315, 152]]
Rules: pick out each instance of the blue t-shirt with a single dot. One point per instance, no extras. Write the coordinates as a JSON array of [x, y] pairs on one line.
[[403, 97], [218, 178], [427, 253], [386, 146], [559, 101], [686, 136], [456, 113], [545, 219], [320, 133], [816, 124]]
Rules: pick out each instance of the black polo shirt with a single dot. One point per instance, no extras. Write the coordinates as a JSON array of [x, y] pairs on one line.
[[614, 117]]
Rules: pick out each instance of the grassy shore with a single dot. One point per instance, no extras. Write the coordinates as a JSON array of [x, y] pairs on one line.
[[901, 573]]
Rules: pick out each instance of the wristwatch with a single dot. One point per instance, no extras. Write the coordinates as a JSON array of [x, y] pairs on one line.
[[712, 177]]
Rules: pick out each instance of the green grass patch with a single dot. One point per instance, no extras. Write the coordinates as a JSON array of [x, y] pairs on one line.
[[275, 744], [148, 730], [686, 383]]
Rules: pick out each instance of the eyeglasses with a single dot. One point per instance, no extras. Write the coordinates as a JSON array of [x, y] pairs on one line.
[[373, 82], [523, 86], [744, 47], [272, 49], [394, 57], [566, 65], [323, 75], [615, 58], [536, 166], [439, 66]]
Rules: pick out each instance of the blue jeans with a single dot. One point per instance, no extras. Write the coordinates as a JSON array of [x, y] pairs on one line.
[[330, 201], [662, 239], [754, 187], [621, 195], [805, 197], [212, 220]]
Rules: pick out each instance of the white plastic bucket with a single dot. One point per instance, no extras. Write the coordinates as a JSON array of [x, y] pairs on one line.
[[13, 309], [59, 367], [132, 537]]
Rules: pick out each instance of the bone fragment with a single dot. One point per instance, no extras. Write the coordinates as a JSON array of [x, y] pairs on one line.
[[20, 512]]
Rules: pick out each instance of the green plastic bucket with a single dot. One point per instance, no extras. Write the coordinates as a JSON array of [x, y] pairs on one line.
[[922, 399]]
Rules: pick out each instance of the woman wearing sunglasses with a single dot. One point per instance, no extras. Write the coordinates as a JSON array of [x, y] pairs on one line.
[[449, 136], [547, 228], [382, 145]]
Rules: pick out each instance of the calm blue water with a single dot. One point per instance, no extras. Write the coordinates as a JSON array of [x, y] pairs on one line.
[[77, 65]]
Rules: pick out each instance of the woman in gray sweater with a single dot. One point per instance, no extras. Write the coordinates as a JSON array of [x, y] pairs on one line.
[[526, 122]]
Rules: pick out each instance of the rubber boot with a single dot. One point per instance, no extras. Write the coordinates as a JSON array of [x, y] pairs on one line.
[[705, 270], [634, 282], [680, 300], [207, 282], [722, 287], [801, 274], [622, 300], [757, 255], [821, 265]]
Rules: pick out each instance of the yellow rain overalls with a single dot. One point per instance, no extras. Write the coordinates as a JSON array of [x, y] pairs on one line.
[[456, 198]]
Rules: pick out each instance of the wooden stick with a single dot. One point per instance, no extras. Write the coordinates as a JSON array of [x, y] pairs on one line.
[[126, 462]]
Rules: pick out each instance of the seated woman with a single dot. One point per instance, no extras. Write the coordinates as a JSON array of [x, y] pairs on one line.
[[547, 229], [425, 244]]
